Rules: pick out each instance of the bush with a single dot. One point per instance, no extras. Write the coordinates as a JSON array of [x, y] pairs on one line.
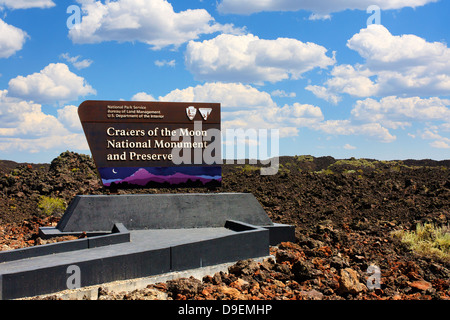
[[305, 158], [428, 240], [355, 163], [49, 206], [325, 171], [249, 168]]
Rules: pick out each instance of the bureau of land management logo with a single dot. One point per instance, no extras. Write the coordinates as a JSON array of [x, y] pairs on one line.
[[205, 112]]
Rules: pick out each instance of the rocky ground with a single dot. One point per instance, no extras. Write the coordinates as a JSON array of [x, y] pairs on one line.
[[345, 213]]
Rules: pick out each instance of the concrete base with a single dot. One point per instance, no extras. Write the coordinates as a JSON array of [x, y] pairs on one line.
[[91, 292], [98, 213], [121, 254]]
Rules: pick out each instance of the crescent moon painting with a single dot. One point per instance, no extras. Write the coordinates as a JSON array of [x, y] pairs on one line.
[[114, 171]]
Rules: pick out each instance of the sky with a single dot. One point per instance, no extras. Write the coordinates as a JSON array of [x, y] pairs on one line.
[[341, 78]]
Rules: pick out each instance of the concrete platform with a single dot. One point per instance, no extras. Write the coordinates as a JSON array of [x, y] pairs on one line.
[[121, 254], [92, 292], [149, 252]]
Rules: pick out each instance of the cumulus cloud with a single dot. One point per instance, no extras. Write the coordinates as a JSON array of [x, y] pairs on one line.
[[324, 93], [439, 141], [75, 141], [283, 94], [230, 95], [394, 112], [380, 48], [403, 112], [24, 118], [249, 59], [404, 65], [287, 119], [26, 4], [25, 127], [153, 22], [354, 81], [142, 96], [347, 127], [55, 83], [440, 144], [317, 6], [12, 39], [68, 116], [245, 107]]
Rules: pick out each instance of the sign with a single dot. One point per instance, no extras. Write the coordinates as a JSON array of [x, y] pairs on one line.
[[154, 144]]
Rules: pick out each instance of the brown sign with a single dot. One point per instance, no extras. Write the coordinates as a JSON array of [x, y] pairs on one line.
[[150, 144]]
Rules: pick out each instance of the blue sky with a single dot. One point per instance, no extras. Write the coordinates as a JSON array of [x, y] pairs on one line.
[[315, 70]]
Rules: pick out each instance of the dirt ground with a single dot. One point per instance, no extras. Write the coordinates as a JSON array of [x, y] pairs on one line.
[[345, 213]]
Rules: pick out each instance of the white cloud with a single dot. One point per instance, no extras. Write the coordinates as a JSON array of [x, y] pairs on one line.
[[354, 81], [405, 65], [380, 48], [373, 118], [12, 39], [283, 94], [230, 95], [439, 141], [162, 63], [317, 6], [19, 118], [446, 126], [75, 141], [316, 16], [26, 4], [68, 116], [300, 115], [54, 83], [287, 119], [324, 93], [349, 147], [347, 127], [153, 22], [245, 107], [25, 127], [249, 59], [440, 144], [142, 96], [394, 112], [76, 62]]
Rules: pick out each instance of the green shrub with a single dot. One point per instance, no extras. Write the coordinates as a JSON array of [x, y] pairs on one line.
[[428, 240], [325, 171], [49, 206], [249, 168], [357, 163], [283, 171], [305, 158]]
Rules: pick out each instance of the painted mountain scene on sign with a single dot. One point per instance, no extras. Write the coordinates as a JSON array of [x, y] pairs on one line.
[[160, 177]]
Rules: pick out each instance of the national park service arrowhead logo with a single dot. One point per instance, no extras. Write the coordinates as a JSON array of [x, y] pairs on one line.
[[191, 111], [205, 112]]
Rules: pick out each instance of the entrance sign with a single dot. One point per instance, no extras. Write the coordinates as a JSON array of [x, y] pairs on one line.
[[154, 144]]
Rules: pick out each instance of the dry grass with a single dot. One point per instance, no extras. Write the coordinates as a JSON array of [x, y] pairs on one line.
[[428, 240]]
